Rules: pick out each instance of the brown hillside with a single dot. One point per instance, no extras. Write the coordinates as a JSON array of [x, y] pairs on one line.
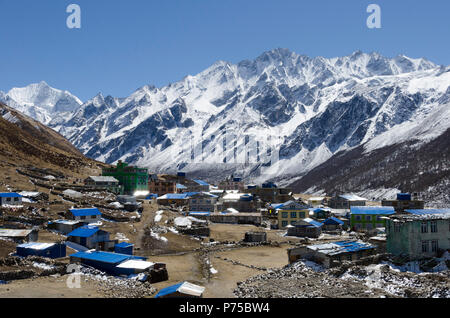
[[25, 142]]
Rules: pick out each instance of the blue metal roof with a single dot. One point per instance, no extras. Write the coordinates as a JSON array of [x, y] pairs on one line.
[[168, 290], [201, 182], [190, 194], [124, 244], [333, 220], [85, 212], [277, 206], [105, 257], [180, 186], [199, 213], [428, 211], [204, 193], [151, 196], [84, 231], [382, 210], [10, 195], [353, 246], [174, 196], [313, 222]]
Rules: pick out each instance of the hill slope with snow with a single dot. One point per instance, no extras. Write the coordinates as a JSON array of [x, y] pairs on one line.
[[41, 102], [311, 108]]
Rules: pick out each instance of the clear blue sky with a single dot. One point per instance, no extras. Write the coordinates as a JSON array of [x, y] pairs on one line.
[[123, 45]]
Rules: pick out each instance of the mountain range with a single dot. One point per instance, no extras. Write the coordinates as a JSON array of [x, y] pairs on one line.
[[313, 109]]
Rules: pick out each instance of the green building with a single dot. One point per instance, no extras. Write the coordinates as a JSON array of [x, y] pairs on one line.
[[366, 218], [132, 178], [418, 234]]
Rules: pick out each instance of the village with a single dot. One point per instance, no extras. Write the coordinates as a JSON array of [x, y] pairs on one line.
[[124, 232]]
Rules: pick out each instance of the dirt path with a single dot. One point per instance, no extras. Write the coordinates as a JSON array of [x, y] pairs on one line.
[[49, 287]]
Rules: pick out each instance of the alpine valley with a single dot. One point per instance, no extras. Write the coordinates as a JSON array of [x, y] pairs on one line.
[[363, 123]]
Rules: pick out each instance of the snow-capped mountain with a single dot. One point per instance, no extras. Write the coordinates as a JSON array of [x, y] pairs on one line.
[[307, 109], [41, 102]]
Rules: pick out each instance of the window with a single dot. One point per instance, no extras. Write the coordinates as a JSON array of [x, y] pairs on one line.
[[397, 227], [284, 215], [284, 223], [433, 226], [83, 217], [293, 215], [16, 199], [380, 225], [434, 246], [368, 218], [8, 199], [301, 215], [94, 216], [349, 257], [369, 226], [424, 227], [379, 217], [424, 246], [358, 218]]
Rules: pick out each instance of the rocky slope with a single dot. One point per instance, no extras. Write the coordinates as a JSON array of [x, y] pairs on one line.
[[26, 142], [408, 166]]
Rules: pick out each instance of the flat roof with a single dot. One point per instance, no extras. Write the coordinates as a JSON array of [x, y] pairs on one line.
[[10, 195], [124, 244], [352, 197], [184, 288], [136, 264], [201, 182], [383, 210], [67, 222], [85, 212], [103, 179], [36, 246], [84, 231], [428, 211], [333, 220], [105, 257], [340, 247], [174, 196], [14, 233]]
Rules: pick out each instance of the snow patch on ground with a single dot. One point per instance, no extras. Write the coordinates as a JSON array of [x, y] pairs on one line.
[[158, 216], [43, 266], [121, 237]]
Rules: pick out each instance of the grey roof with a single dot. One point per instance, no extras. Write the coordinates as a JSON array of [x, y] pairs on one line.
[[14, 233], [103, 179], [352, 197]]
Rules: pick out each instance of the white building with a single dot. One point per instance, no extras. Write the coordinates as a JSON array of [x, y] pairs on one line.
[[10, 199]]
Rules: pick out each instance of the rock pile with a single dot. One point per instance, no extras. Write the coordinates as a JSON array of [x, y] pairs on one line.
[[116, 287], [306, 280]]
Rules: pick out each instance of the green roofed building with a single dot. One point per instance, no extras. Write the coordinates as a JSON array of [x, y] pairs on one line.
[[132, 178]]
